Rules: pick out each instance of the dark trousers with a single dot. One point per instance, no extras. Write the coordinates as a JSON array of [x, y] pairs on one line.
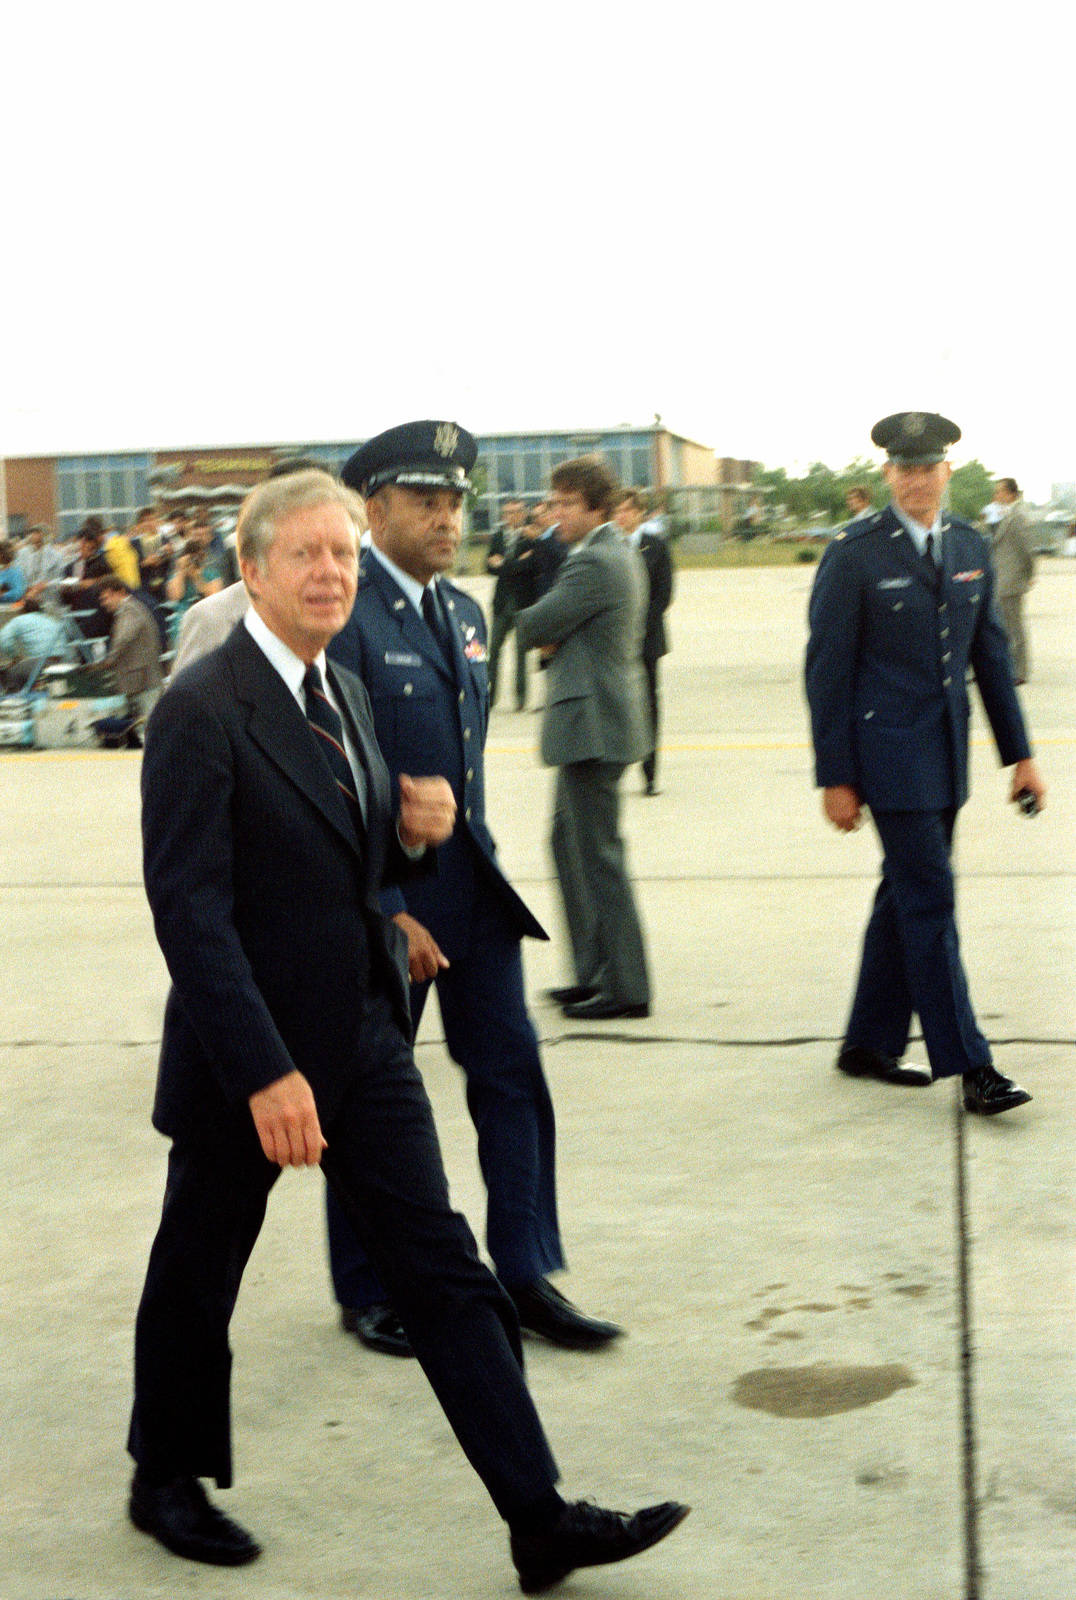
[[385, 1164], [599, 906], [503, 623], [911, 951], [650, 762], [490, 1035]]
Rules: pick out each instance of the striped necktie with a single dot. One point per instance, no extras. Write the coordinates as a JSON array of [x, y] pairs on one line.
[[329, 731]]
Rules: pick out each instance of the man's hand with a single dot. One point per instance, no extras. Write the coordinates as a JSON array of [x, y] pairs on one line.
[[427, 811], [547, 651], [287, 1122], [425, 958], [1026, 775], [842, 808]]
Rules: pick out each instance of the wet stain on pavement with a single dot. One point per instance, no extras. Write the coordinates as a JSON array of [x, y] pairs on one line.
[[822, 1390], [915, 1291]]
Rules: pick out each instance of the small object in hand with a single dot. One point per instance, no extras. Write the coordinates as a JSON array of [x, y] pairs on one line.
[[1028, 803]]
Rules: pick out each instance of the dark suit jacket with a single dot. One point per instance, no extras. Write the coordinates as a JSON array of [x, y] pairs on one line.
[[659, 572], [430, 719], [887, 665], [263, 896]]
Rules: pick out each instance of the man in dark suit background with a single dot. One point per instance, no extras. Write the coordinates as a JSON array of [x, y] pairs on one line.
[[589, 626], [267, 830], [630, 516], [902, 606], [501, 563], [418, 642]]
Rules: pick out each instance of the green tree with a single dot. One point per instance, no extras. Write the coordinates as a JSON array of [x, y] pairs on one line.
[[971, 488]]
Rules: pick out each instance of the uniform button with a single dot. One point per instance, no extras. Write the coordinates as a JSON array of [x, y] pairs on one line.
[[466, 733], [461, 697], [942, 609], [467, 813], [867, 715], [408, 688], [946, 682], [470, 774], [947, 655], [945, 633]]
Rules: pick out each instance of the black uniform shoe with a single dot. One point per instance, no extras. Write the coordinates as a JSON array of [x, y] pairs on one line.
[[601, 1007], [179, 1516], [859, 1062], [378, 1328], [988, 1092], [585, 1535], [545, 1311], [570, 993]]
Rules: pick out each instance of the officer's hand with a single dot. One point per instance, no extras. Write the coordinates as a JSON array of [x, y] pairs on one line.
[[1026, 775], [287, 1122], [424, 955], [427, 810], [842, 808]]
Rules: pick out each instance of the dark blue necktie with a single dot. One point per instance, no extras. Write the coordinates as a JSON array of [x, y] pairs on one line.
[[932, 561], [329, 732], [435, 621]]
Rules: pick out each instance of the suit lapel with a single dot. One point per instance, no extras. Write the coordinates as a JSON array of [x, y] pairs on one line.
[[278, 727], [412, 627]]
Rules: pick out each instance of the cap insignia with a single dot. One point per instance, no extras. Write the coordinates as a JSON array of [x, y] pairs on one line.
[[446, 439], [914, 424]]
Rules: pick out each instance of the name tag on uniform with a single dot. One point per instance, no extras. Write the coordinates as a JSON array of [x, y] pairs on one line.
[[895, 583], [402, 658], [968, 577]]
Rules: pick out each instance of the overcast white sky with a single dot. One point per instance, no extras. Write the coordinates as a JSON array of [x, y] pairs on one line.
[[228, 224]]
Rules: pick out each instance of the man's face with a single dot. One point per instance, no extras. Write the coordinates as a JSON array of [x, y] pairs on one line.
[[1003, 495], [306, 588], [514, 513], [574, 517], [918, 490], [418, 529], [627, 516]]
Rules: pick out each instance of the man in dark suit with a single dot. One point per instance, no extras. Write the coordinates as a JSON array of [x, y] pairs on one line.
[[902, 606], [419, 645], [589, 626], [267, 831], [501, 563], [630, 517]]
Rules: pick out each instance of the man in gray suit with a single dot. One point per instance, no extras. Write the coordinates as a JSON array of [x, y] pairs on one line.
[[1014, 568], [589, 628]]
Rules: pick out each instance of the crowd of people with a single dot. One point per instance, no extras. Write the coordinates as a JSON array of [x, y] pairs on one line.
[[109, 600]]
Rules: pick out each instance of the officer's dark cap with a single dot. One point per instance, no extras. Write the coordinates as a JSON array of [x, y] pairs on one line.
[[419, 455], [918, 438]]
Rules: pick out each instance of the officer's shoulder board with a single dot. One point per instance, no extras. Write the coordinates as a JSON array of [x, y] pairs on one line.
[[862, 525]]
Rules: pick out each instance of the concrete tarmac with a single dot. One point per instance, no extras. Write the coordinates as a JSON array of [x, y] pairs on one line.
[[850, 1307]]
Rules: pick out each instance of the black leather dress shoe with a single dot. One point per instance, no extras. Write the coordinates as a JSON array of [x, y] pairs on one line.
[[570, 993], [600, 1007], [378, 1328], [858, 1062], [545, 1311], [988, 1092], [585, 1535], [179, 1516]]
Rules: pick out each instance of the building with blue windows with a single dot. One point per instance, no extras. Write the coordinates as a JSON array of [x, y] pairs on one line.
[[62, 491]]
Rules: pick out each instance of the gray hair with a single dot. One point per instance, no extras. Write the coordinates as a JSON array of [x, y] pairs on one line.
[[276, 498]]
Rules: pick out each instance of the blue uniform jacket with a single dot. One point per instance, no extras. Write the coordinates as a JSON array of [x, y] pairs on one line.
[[431, 721], [887, 665]]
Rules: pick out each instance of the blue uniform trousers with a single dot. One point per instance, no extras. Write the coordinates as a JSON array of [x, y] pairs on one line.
[[911, 952], [490, 1035]]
